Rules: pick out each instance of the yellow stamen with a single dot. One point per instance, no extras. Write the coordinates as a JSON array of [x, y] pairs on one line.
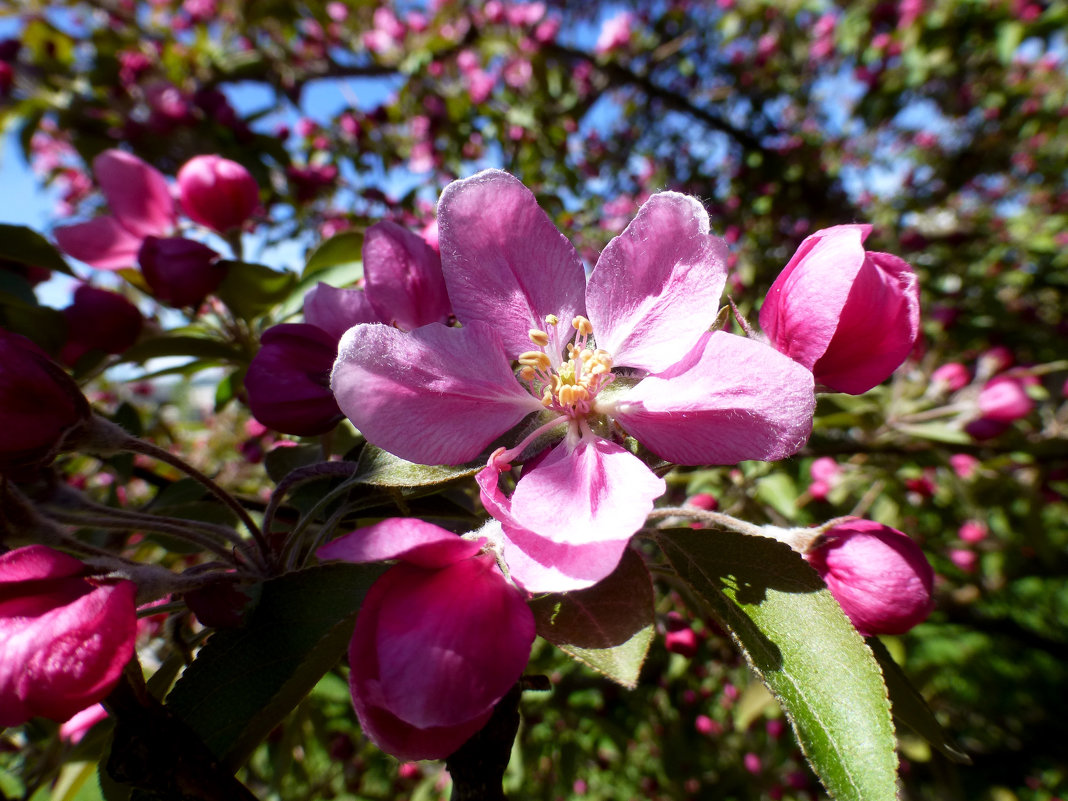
[[547, 398], [527, 373], [551, 319], [567, 395], [535, 358], [582, 325], [539, 338]]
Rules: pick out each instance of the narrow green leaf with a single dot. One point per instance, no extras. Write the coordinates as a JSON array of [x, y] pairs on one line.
[[609, 626], [383, 469], [183, 345], [343, 250], [250, 290], [244, 682], [797, 639], [25, 246], [910, 708]]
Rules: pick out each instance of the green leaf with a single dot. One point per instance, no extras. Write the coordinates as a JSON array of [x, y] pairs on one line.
[[936, 432], [344, 250], [25, 246], [609, 626], [338, 261], [910, 708], [795, 636], [244, 682], [779, 492], [383, 469], [47, 327], [250, 290], [182, 345]]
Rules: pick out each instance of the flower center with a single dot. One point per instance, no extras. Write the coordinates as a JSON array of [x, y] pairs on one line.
[[568, 388]]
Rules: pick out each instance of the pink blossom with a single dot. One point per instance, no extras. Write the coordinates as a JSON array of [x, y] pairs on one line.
[[850, 316], [964, 465], [681, 641], [966, 560], [179, 272], [99, 320], [823, 471], [140, 203], [439, 639], [75, 729], [615, 33], [879, 576], [63, 639], [951, 376], [441, 395], [217, 193], [972, 531], [1004, 399], [40, 405]]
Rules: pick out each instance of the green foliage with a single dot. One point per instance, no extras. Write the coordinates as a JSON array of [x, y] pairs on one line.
[[796, 638]]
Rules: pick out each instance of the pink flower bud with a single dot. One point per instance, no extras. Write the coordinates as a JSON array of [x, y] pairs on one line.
[[879, 576], [99, 320], [63, 639], [1004, 399], [439, 640], [966, 560], [180, 272], [964, 465], [849, 316], [703, 500], [972, 531], [682, 641], [951, 376], [217, 192], [288, 380], [40, 405]]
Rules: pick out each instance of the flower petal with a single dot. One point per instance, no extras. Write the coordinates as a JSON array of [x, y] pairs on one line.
[[137, 193], [505, 263], [877, 329], [415, 541], [337, 310], [730, 399], [405, 285], [101, 243], [795, 296], [435, 395], [657, 286], [571, 516]]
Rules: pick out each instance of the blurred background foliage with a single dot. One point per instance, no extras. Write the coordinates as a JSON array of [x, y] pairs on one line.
[[943, 123]]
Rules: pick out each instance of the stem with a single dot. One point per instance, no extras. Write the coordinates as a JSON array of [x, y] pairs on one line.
[[300, 476], [715, 519], [159, 526], [302, 525], [101, 433]]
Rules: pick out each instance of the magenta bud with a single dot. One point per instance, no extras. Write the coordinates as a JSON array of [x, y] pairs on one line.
[[180, 272], [288, 381], [440, 638], [1004, 399], [64, 640], [951, 376], [849, 316], [99, 320], [682, 642], [878, 574], [40, 405], [217, 193]]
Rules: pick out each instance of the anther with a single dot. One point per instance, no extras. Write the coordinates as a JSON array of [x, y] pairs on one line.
[[567, 395], [582, 325], [527, 373], [551, 319], [538, 337], [535, 358]]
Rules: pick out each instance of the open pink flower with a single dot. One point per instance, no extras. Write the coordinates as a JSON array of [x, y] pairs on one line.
[[441, 395], [141, 206], [439, 640], [63, 640]]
